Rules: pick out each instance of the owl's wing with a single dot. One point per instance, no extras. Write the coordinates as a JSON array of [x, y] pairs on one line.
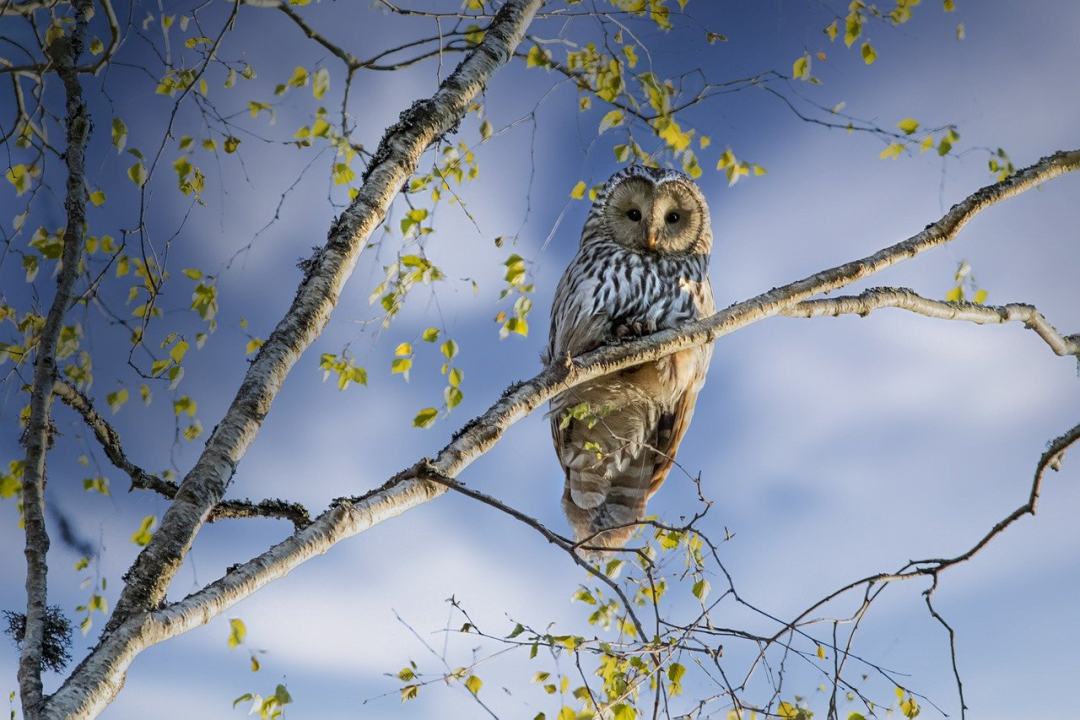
[[669, 433]]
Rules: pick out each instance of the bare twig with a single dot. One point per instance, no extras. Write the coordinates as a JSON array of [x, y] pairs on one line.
[[875, 298], [109, 439]]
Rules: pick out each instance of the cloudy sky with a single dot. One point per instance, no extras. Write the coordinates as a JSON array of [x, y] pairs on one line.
[[833, 448]]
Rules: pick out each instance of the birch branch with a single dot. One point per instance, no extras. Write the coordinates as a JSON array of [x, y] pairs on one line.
[[348, 517], [875, 298], [64, 53], [109, 440], [99, 677]]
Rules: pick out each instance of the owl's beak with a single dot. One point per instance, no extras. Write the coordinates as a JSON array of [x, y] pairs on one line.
[[650, 238]]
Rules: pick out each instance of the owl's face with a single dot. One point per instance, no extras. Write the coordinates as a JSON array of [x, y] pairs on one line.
[[657, 211]]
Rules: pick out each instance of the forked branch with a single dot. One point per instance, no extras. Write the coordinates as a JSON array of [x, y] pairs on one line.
[[875, 298]]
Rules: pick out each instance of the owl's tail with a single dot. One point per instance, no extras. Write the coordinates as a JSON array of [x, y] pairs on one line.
[[608, 525]]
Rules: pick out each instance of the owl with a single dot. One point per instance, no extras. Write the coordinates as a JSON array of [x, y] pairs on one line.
[[642, 267]]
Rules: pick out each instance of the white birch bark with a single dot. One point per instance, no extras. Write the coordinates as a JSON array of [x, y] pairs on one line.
[[64, 54]]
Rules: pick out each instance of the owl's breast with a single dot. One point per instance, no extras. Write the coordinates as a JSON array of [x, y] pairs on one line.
[[642, 294]]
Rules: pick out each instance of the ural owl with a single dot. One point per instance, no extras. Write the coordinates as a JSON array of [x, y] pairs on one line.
[[642, 267]]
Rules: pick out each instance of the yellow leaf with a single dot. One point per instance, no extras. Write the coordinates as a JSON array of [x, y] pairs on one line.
[[955, 295], [612, 119], [869, 54], [800, 69], [141, 537], [674, 136], [908, 125], [425, 417], [536, 57], [97, 198], [578, 191], [892, 151], [237, 632], [320, 83], [980, 297]]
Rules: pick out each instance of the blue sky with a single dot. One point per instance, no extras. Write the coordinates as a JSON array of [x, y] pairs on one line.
[[832, 448]]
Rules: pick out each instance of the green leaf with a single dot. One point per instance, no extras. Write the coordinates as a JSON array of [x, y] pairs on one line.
[[117, 399], [97, 198], [701, 589], [231, 143], [430, 335], [137, 173], [185, 404], [237, 632], [119, 134], [425, 417]]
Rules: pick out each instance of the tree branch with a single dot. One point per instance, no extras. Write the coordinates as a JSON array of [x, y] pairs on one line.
[[64, 53], [874, 298], [410, 488], [109, 440], [97, 679]]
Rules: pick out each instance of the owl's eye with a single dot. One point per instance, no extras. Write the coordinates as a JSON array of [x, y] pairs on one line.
[[671, 218], [634, 214]]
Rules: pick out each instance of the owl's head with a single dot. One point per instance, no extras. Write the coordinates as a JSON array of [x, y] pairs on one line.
[[652, 210]]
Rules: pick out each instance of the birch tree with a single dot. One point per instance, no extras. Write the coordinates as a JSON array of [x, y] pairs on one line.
[[78, 139]]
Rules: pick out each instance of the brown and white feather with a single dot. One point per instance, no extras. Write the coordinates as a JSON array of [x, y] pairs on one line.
[[629, 278]]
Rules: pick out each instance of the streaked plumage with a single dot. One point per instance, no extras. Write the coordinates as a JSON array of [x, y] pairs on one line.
[[642, 267]]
